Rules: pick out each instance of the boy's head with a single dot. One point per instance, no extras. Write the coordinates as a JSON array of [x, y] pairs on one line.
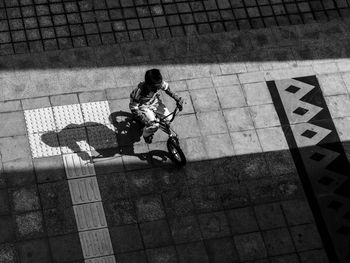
[[153, 79]]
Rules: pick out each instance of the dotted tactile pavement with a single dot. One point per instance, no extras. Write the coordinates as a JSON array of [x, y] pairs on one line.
[[95, 113], [40, 120]]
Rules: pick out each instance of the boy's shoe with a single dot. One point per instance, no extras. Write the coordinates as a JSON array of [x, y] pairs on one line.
[[148, 139]]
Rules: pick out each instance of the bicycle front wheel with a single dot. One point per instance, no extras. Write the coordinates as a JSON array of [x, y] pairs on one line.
[[176, 154]]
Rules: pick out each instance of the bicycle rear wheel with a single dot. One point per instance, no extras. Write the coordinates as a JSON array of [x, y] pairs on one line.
[[176, 154]]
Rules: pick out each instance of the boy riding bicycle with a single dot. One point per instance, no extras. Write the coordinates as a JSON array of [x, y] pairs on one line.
[[146, 105]]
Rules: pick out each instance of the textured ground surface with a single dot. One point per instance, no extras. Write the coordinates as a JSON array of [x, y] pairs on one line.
[[265, 129], [36, 25]]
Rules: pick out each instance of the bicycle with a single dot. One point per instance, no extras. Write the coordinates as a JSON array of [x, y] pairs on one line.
[[173, 145]]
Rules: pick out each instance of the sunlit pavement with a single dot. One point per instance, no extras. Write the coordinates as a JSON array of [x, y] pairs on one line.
[[265, 129]]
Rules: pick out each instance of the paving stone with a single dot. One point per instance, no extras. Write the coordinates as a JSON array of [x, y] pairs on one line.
[[214, 225], [8, 253], [149, 208], [339, 105], [92, 96], [178, 202], [221, 250], [113, 186], [19, 172], [332, 84], [96, 243], [245, 142], [126, 238], [120, 212], [34, 251], [233, 195], [292, 258], [211, 122], [29, 225], [269, 216], [269, 189], [242, 220], [36, 103], [218, 146], [84, 190], [193, 149], [137, 257], [182, 123], [192, 252], [200, 173], [12, 105], [49, 169], [201, 83], [65, 99], [205, 100], [319, 255], [225, 80], [297, 212], [306, 237], [238, 119], [65, 248], [272, 139], [60, 221], [343, 125], [185, 229], [231, 97], [250, 246], [4, 202], [142, 182], [55, 194], [14, 148], [278, 241], [257, 93], [40, 120], [280, 162], [206, 199], [25, 199], [156, 234], [164, 254], [7, 229], [264, 116]]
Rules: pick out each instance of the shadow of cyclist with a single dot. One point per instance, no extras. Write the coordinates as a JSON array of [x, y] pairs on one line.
[[109, 142]]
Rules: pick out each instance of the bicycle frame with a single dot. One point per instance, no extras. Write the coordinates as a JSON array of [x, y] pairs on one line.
[[165, 126]]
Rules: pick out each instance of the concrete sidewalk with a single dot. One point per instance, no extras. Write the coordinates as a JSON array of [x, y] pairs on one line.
[[252, 142]]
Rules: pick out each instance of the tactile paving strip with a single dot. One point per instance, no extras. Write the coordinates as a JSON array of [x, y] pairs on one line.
[[77, 167], [107, 259], [84, 190], [40, 148], [90, 216], [96, 113], [96, 243], [68, 116], [39, 120]]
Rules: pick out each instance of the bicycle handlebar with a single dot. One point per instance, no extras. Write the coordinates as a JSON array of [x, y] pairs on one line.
[[172, 113]]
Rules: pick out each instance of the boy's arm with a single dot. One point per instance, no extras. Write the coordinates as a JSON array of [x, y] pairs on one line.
[[177, 98], [134, 107]]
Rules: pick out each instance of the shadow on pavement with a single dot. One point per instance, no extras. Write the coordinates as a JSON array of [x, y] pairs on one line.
[[121, 141]]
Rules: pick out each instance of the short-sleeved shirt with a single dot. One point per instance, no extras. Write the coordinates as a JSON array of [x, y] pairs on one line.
[[141, 96]]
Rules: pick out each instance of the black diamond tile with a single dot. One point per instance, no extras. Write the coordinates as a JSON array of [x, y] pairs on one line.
[[344, 230], [309, 134], [326, 180], [335, 205], [300, 111], [317, 157], [292, 89]]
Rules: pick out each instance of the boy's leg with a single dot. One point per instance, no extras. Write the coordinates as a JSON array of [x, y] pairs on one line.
[[151, 129], [163, 111]]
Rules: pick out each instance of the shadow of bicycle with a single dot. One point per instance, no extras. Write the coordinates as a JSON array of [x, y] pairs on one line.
[[101, 141]]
